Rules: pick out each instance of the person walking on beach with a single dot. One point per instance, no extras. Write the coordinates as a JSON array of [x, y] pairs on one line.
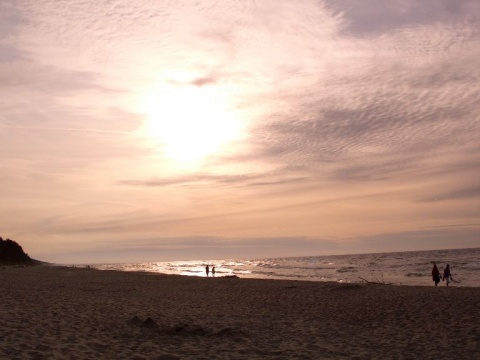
[[207, 270], [213, 271], [447, 276], [435, 274]]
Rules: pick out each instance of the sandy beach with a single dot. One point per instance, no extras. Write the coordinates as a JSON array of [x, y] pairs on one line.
[[72, 313]]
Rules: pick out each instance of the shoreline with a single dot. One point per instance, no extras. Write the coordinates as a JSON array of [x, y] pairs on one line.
[[361, 281], [55, 312], [410, 268]]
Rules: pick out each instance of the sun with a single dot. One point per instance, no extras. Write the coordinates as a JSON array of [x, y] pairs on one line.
[[190, 123]]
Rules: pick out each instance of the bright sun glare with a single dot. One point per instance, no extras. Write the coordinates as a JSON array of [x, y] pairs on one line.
[[191, 122]]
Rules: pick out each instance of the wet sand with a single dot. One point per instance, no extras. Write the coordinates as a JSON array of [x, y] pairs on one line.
[[71, 313]]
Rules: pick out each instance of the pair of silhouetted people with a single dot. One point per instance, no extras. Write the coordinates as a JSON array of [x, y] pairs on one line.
[[447, 276], [207, 270]]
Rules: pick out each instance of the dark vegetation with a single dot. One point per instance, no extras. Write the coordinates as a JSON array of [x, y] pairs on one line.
[[11, 253]]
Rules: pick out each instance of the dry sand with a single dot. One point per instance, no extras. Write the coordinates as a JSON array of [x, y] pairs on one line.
[[65, 313]]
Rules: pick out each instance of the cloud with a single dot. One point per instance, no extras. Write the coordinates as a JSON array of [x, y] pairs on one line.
[[374, 17], [395, 110], [345, 105], [169, 249], [10, 18], [201, 180], [187, 248], [446, 237], [469, 193]]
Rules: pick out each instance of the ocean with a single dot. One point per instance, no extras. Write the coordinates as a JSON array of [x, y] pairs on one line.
[[396, 268]]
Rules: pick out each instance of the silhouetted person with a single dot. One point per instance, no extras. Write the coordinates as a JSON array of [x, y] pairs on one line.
[[207, 270], [447, 276], [213, 270], [435, 274]]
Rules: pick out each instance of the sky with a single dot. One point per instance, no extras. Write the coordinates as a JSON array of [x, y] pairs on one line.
[[180, 130]]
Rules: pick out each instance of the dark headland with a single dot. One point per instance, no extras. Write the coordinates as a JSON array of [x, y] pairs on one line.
[[11, 253]]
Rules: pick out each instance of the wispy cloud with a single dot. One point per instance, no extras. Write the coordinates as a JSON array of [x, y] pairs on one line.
[[470, 193]]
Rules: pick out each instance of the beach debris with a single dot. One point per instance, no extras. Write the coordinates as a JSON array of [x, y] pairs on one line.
[[229, 332], [375, 282], [167, 357], [184, 329], [148, 323]]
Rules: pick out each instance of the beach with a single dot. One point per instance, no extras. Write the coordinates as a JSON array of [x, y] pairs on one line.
[[52, 312]]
